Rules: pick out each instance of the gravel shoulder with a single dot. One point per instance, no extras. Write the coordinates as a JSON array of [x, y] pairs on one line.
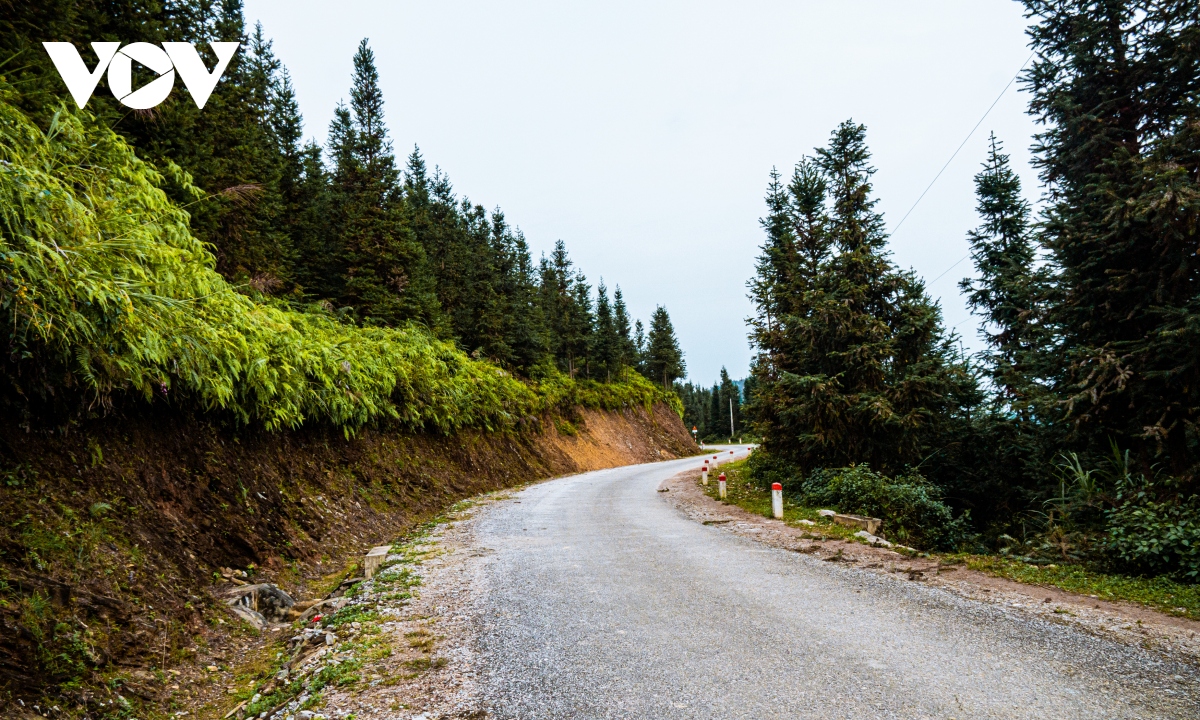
[[1175, 638]]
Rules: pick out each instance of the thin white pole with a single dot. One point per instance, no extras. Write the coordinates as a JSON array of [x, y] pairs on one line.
[[730, 419]]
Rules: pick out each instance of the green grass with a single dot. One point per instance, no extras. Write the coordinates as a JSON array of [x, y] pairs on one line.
[[1158, 593], [744, 493]]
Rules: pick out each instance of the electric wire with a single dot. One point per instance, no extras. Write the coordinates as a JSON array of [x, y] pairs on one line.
[[962, 145]]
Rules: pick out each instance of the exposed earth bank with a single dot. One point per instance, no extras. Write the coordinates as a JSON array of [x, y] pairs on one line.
[[119, 535]]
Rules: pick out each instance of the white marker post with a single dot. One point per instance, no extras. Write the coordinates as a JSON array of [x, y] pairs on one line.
[[704, 474], [777, 500], [716, 460], [721, 484]]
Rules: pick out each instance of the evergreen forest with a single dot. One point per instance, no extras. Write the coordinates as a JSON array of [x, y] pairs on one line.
[[217, 261], [1073, 437]]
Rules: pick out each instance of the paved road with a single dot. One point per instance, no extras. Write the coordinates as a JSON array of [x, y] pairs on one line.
[[602, 601]]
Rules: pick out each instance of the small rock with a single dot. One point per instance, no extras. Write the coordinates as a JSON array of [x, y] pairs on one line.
[[874, 540], [330, 638], [264, 599], [806, 522], [212, 668], [826, 513]]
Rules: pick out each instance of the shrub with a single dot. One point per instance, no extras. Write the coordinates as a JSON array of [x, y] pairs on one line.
[[105, 292], [767, 468], [1146, 537], [910, 506]]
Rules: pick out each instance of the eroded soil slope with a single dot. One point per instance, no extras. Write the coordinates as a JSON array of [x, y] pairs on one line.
[[114, 534]]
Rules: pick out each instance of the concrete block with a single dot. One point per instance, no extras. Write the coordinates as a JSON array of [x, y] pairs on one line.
[[857, 521], [374, 559]]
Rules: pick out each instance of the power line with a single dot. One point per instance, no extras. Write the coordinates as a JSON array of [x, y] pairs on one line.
[[960, 147], [939, 277]]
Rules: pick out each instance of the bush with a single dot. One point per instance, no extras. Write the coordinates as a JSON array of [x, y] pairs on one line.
[[910, 506], [767, 468], [104, 292], [1155, 538]]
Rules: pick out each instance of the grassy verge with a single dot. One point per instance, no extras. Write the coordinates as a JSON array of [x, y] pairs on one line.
[[1160, 594], [744, 493]]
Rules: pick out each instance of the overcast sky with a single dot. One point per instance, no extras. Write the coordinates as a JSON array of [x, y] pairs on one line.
[[642, 133]]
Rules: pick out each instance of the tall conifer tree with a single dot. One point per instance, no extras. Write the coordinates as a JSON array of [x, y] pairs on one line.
[[607, 346], [386, 278], [664, 359], [1115, 84], [1009, 289], [853, 365]]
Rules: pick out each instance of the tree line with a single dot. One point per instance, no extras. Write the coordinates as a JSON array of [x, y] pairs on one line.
[[347, 228], [715, 413], [1073, 436]]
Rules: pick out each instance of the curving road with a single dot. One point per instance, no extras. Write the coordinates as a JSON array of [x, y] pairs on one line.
[[599, 600]]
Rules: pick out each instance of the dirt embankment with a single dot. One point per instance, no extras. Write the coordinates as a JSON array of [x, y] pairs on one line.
[[114, 535]]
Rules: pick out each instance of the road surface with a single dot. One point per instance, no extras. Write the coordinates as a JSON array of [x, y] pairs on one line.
[[600, 600]]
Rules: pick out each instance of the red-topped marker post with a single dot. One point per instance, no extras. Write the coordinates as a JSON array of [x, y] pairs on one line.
[[704, 474], [721, 484], [777, 500]]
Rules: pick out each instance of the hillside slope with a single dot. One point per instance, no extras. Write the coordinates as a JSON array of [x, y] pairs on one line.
[[117, 531]]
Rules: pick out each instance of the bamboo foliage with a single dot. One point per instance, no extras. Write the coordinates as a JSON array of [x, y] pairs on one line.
[[101, 277]]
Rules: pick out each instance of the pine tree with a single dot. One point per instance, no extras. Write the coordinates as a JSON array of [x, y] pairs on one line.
[[1115, 85], [664, 360], [229, 150], [626, 353], [730, 401], [318, 268], [639, 347], [716, 426], [853, 365], [606, 347], [581, 334], [565, 297], [1009, 287], [386, 278]]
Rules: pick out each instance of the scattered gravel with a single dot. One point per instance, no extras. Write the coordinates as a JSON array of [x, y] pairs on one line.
[[600, 600]]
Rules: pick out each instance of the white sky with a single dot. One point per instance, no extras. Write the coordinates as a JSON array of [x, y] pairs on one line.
[[642, 133]]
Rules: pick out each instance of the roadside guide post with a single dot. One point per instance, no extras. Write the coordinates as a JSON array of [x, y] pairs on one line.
[[704, 474], [777, 500], [721, 484]]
